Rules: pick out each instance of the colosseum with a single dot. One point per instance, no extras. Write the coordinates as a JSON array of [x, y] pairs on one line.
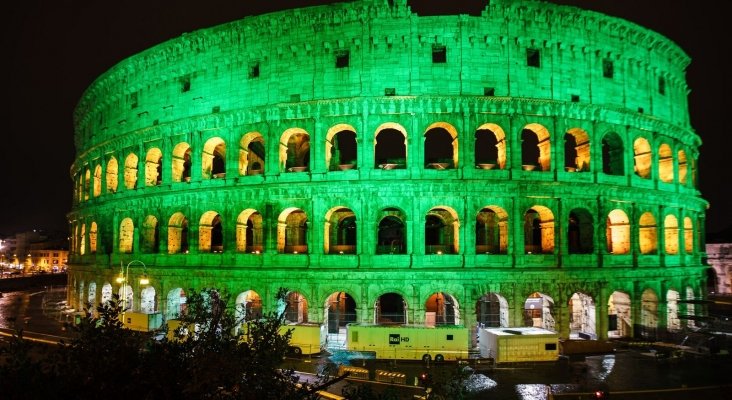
[[533, 165]]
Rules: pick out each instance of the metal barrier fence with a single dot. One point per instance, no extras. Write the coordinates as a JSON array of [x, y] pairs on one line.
[[354, 372]]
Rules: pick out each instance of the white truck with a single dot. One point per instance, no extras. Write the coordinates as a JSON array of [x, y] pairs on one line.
[[409, 342], [518, 344], [307, 338]]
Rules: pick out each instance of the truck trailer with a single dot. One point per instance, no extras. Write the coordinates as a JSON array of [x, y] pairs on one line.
[[409, 342], [307, 338], [518, 344]]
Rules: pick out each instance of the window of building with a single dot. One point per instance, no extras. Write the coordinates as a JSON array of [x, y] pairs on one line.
[[607, 68], [533, 58], [253, 70], [661, 85], [439, 54], [342, 58], [133, 100], [389, 92], [575, 98], [489, 91], [185, 84]]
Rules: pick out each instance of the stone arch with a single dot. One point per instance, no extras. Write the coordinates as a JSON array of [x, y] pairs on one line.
[[175, 304], [580, 232], [341, 150], [673, 323], [153, 167], [106, 293], [340, 233], [642, 156], [442, 231], [150, 235], [249, 232], [536, 147], [648, 233], [671, 234], [491, 231], [613, 154], [87, 183], [131, 171], [126, 297], [213, 159], [649, 314], [294, 150], [93, 237], [292, 231], [665, 163], [441, 146], [683, 167], [617, 232], [390, 146], [688, 235], [92, 295], [296, 308], [177, 233], [340, 310], [490, 147], [97, 186], [391, 236], [442, 308], [690, 307], [391, 309], [538, 230], [126, 232], [620, 322], [80, 297], [576, 150], [248, 306], [538, 309], [181, 163], [112, 175], [252, 153], [82, 241], [491, 311], [210, 233], [582, 316], [148, 300]]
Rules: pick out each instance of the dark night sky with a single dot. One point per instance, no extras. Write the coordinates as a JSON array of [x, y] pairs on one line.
[[53, 50]]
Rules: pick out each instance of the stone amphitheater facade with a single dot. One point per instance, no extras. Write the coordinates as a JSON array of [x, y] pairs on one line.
[[532, 165]]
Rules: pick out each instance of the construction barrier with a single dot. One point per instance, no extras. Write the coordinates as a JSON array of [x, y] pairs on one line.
[[391, 377], [354, 372]]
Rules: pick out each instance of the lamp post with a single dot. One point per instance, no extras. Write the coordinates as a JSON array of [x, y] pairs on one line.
[[123, 278]]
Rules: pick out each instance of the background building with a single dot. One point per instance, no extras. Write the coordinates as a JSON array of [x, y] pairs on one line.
[[532, 166]]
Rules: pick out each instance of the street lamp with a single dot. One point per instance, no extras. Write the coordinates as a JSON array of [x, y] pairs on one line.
[[123, 278]]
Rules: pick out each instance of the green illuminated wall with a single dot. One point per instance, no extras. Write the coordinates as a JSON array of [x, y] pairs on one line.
[[367, 67]]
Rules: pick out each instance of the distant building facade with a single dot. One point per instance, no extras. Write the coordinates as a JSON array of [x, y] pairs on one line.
[[531, 166], [719, 257]]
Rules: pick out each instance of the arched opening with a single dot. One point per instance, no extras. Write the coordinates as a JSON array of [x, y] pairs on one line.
[[490, 147], [580, 232], [178, 234], [576, 150], [93, 238], [292, 232], [295, 150], [538, 311], [620, 324], [112, 175], [538, 231], [213, 159], [673, 323], [392, 232], [492, 311], [126, 297], [688, 235], [249, 232], [126, 232], [87, 184], [176, 304], [642, 158], [153, 167], [131, 171], [671, 234], [296, 308], [617, 232], [248, 306], [665, 163], [251, 154], [80, 297], [441, 309], [441, 231], [649, 314], [92, 296], [390, 309], [97, 187], [440, 146], [612, 154], [491, 231], [106, 293], [210, 235], [582, 317], [150, 235], [535, 148], [390, 147], [148, 303], [82, 241], [340, 231], [690, 306], [340, 310], [648, 236], [683, 167], [340, 148], [181, 165]]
